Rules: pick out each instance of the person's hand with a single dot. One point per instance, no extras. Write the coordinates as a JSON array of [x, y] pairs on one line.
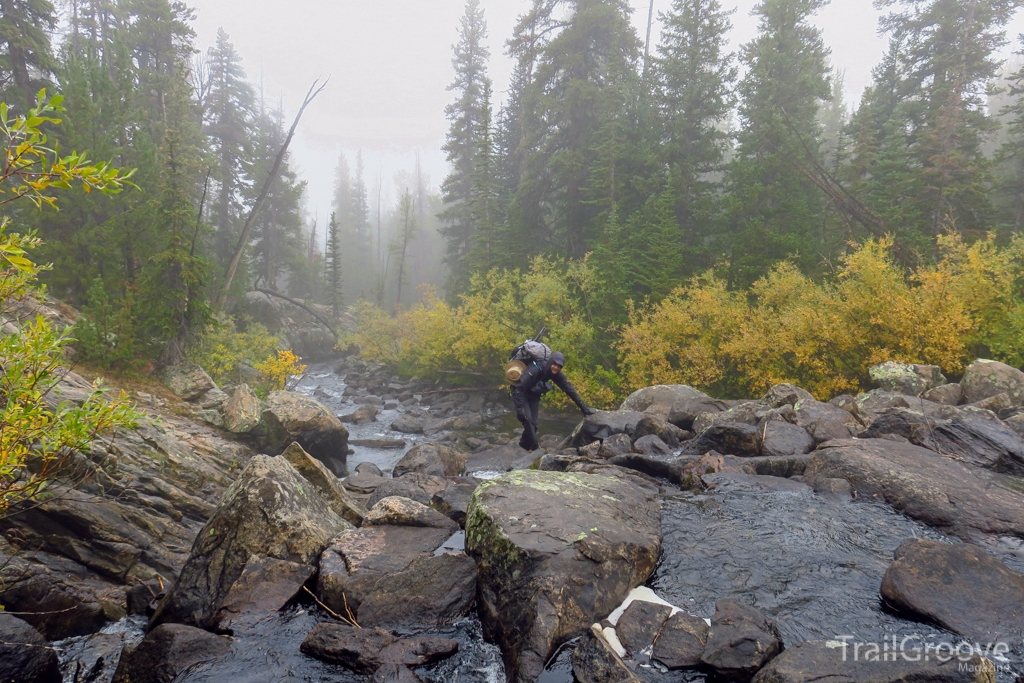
[[587, 410]]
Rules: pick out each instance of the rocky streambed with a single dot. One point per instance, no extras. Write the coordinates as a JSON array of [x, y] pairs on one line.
[[404, 536]]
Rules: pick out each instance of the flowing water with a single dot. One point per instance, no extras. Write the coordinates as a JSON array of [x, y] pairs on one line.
[[814, 563]]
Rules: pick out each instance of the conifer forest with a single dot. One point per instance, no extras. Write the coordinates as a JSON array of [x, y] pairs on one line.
[[626, 190]]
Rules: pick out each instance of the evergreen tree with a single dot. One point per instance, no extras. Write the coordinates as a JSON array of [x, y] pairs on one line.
[[1011, 153], [228, 123], [490, 240], [578, 81], [695, 76], [465, 117], [360, 243], [775, 210], [333, 275], [405, 233], [26, 59]]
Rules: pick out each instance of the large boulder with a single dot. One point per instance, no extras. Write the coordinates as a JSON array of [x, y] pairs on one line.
[[742, 640], [959, 587], [25, 656], [987, 378], [682, 641], [730, 438], [271, 511], [500, 459], [399, 511], [837, 661], [243, 411], [327, 485], [922, 484], [601, 425], [660, 394], [356, 560], [168, 651], [265, 586], [432, 591], [188, 382], [431, 458], [556, 552], [971, 439], [784, 394], [683, 413], [780, 438], [594, 660], [366, 650], [906, 378], [290, 416]]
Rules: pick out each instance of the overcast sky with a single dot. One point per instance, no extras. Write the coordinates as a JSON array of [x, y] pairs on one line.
[[390, 64]]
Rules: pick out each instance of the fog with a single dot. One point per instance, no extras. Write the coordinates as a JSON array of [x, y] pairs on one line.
[[389, 63]]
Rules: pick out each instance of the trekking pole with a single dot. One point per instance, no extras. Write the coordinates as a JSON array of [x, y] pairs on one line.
[[540, 334]]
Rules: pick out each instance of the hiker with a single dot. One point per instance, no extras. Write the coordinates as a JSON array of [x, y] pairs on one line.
[[536, 381]]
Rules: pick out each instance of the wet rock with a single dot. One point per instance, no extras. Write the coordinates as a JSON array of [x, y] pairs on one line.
[[453, 502], [959, 587], [500, 459], [357, 559], [167, 652], [365, 650], [386, 444], [369, 468], [690, 473], [906, 378], [432, 459], [809, 413], [25, 656], [666, 431], [784, 466], [839, 488], [985, 378], [640, 624], [270, 510], [604, 424], [947, 395], [290, 416], [651, 445], [742, 640], [417, 487], [730, 438], [265, 586], [326, 484], [430, 592], [660, 394], [747, 412], [681, 642], [555, 552], [828, 430], [407, 425], [683, 413], [243, 411], [922, 484], [188, 382], [595, 661], [143, 598], [969, 439], [399, 511], [785, 395], [617, 444], [834, 661], [55, 606], [394, 673], [560, 462], [781, 438], [361, 415]]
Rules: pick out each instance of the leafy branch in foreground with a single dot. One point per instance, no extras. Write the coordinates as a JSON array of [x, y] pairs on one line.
[[38, 432]]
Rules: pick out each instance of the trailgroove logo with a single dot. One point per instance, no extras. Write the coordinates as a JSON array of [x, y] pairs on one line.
[[916, 648]]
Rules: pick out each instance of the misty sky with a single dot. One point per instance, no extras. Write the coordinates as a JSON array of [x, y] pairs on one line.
[[390, 64]]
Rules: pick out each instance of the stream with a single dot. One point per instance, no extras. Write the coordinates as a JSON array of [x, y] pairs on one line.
[[812, 562]]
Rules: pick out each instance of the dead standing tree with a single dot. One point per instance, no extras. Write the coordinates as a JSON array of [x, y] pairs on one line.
[[243, 239]]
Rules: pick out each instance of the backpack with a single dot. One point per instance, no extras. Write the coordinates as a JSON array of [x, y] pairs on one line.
[[529, 351]]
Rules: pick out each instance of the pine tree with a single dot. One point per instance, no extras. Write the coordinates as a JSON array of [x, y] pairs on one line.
[[26, 59], [228, 122], [333, 275], [1010, 156], [465, 117], [360, 243], [948, 57], [775, 209], [577, 82], [490, 241], [404, 235], [695, 76]]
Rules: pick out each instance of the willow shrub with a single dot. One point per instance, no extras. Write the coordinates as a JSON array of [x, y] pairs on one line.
[[470, 342], [825, 336]]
